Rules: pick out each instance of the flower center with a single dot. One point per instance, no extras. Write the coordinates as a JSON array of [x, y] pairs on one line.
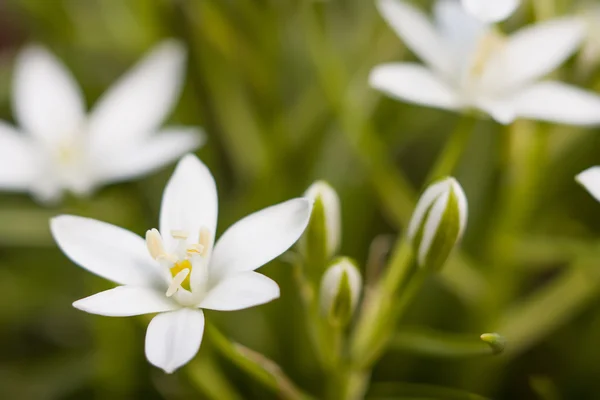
[[489, 46], [183, 259]]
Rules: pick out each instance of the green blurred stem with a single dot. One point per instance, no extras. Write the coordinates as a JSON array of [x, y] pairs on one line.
[[257, 366], [453, 150], [378, 307]]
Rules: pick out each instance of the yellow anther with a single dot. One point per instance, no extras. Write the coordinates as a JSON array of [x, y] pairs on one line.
[[178, 282], [155, 244], [204, 241], [195, 249], [179, 235], [180, 266]]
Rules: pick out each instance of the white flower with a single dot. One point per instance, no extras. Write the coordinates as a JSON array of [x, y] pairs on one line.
[[469, 65], [58, 147], [491, 10], [590, 179], [177, 271], [438, 222]]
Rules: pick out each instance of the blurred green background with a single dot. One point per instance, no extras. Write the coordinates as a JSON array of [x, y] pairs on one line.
[[280, 87]]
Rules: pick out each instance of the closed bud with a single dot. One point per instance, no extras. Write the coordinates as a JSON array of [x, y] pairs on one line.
[[341, 286], [438, 223], [322, 237]]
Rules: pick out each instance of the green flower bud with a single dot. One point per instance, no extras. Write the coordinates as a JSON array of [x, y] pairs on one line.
[[438, 223], [322, 237], [341, 286]]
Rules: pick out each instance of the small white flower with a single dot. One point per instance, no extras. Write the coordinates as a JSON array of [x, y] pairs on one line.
[[491, 10], [177, 271], [470, 65], [58, 147], [438, 222], [590, 179]]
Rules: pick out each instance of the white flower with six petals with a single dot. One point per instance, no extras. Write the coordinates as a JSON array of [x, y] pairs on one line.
[[470, 65], [58, 147], [177, 271]]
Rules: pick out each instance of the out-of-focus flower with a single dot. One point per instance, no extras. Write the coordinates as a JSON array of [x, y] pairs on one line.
[[438, 222], [590, 54], [470, 65], [491, 10], [177, 271], [341, 286], [590, 179], [323, 235], [58, 147]]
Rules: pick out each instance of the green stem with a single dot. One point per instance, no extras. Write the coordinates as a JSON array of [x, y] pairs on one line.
[[256, 365], [375, 317], [453, 150]]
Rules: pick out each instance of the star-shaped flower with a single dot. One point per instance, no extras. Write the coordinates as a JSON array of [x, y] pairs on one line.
[[58, 148], [470, 65], [177, 271]]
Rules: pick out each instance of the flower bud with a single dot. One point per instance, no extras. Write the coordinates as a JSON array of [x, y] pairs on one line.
[[438, 223], [341, 286], [321, 240]]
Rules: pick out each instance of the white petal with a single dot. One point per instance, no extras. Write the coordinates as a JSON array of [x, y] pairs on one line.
[[426, 200], [126, 301], [173, 338], [590, 179], [535, 51], [491, 10], [432, 224], [415, 84], [47, 101], [108, 251], [152, 154], [502, 110], [239, 291], [558, 102], [139, 102], [189, 202], [260, 237], [417, 32], [17, 160]]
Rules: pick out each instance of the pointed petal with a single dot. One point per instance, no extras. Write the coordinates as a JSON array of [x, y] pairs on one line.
[[173, 338], [417, 32], [491, 11], [139, 102], [108, 251], [590, 179], [189, 202], [17, 160], [414, 84], [152, 154], [501, 110], [47, 101], [535, 51], [558, 102], [260, 237], [239, 291], [126, 301]]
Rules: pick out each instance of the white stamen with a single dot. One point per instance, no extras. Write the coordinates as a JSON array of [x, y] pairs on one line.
[[204, 240], [155, 244], [177, 281]]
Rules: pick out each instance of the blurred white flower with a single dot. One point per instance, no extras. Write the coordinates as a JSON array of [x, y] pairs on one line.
[[470, 65], [590, 54], [590, 179], [58, 147], [177, 271], [491, 10]]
